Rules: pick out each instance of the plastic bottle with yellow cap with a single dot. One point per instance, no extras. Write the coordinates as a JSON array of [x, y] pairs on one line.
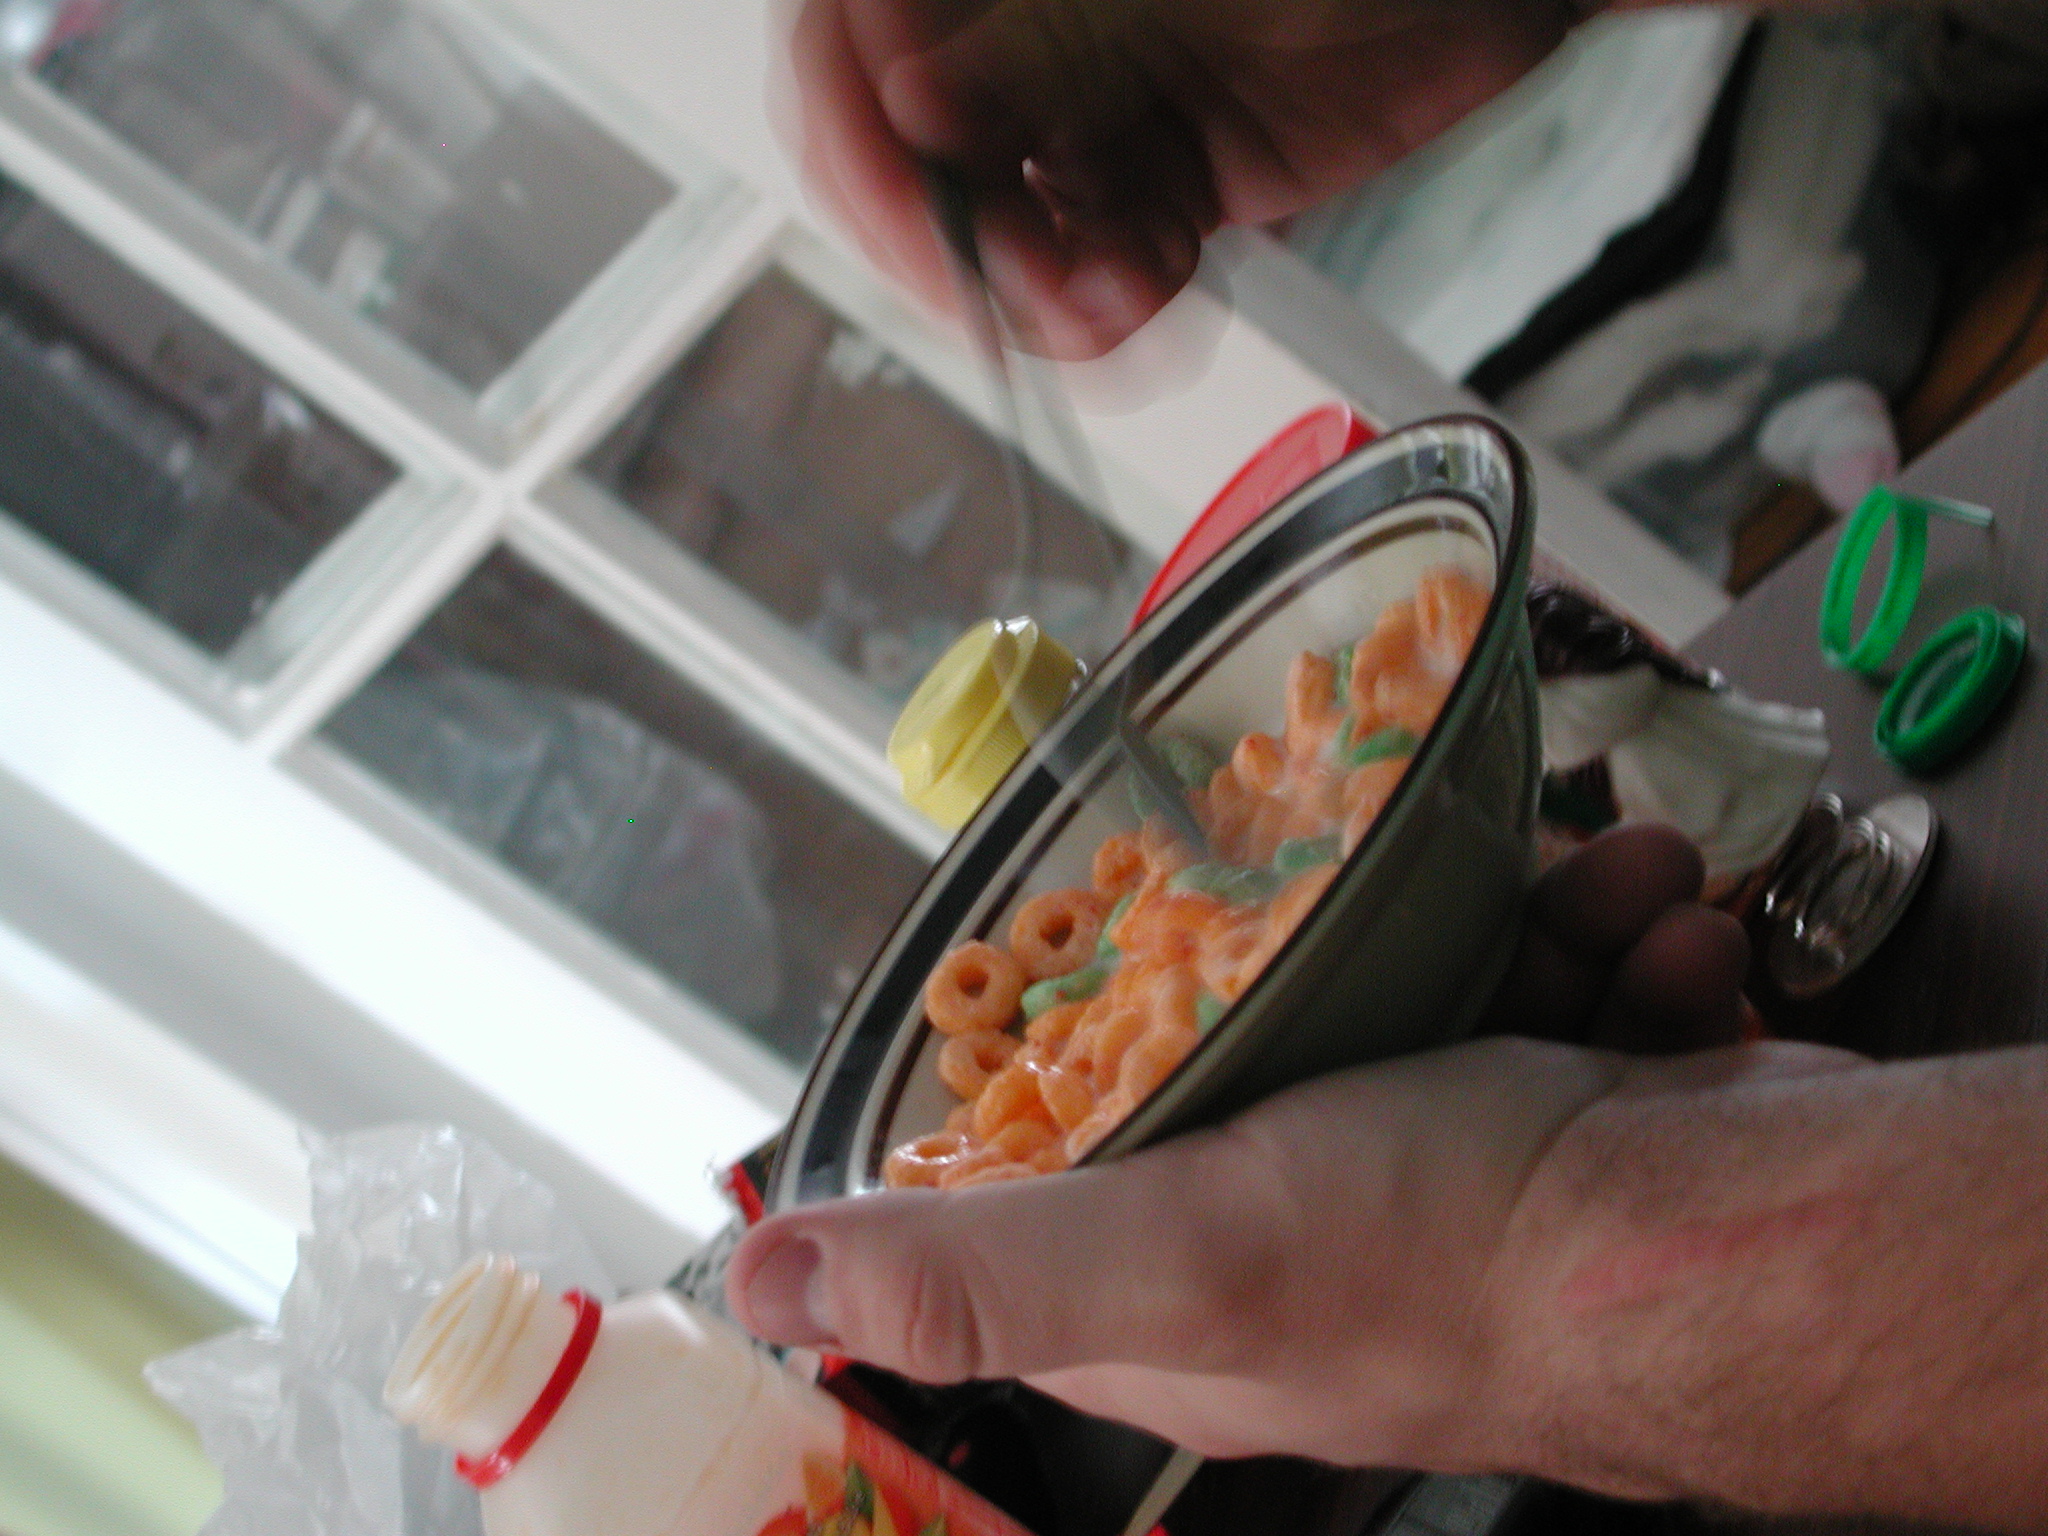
[[975, 713]]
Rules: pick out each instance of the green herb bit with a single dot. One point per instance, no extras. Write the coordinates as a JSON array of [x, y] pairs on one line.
[[1105, 947], [1145, 803], [1300, 854], [1209, 1011], [1070, 988], [860, 1492], [1392, 741], [1192, 762], [1231, 883], [1343, 660]]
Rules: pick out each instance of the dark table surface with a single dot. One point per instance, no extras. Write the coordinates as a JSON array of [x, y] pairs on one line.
[[1968, 964]]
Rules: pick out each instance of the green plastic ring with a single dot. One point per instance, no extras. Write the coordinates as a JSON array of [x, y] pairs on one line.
[[1949, 689], [1901, 581]]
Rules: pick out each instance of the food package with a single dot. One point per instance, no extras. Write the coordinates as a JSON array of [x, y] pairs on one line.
[[1631, 733]]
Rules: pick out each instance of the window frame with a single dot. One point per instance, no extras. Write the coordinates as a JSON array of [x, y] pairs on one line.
[[478, 471], [496, 425]]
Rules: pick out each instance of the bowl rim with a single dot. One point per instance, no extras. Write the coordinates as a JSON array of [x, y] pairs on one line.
[[1513, 540]]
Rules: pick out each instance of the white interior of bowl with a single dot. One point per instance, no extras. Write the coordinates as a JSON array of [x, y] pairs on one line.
[[1228, 685]]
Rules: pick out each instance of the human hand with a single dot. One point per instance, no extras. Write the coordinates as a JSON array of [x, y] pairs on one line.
[[1106, 138], [1617, 952], [1331, 1273]]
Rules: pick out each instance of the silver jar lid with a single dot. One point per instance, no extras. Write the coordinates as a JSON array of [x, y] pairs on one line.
[[1843, 885]]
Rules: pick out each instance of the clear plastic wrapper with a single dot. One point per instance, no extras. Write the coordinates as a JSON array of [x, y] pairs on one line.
[[292, 1411]]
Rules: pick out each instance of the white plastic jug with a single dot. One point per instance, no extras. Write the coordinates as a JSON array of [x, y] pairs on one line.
[[651, 1417]]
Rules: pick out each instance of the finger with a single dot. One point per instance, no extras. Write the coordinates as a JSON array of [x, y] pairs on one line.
[[855, 161], [1599, 902], [1548, 993], [1158, 1259], [1080, 291], [1583, 917], [1103, 122], [1095, 192], [1679, 988], [986, 95]]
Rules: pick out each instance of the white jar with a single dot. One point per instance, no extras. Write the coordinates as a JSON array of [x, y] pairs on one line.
[[672, 1424]]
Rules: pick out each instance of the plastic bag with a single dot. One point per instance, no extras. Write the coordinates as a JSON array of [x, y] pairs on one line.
[[292, 1412]]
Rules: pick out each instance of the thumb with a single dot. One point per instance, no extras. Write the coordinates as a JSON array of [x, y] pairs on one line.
[[1160, 1259]]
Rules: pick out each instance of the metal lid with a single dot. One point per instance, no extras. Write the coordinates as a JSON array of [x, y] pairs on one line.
[[1841, 889]]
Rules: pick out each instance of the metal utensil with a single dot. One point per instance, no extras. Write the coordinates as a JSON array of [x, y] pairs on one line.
[[952, 203], [1173, 1479], [1162, 785]]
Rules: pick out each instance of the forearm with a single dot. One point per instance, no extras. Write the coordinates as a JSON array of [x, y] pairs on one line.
[[1820, 1293]]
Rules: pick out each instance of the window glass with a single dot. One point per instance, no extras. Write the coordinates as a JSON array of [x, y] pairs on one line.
[[411, 168], [791, 452], [148, 448], [520, 721]]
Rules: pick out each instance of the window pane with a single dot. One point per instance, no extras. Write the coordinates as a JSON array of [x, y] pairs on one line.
[[792, 453], [414, 171], [524, 724], [148, 448]]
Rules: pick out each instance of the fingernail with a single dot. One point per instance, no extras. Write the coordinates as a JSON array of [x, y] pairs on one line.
[[786, 1299]]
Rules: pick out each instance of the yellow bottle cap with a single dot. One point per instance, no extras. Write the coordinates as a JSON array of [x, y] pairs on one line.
[[975, 713]]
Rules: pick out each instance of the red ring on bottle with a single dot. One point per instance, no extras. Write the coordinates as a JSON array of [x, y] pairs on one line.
[[482, 1471], [739, 1185]]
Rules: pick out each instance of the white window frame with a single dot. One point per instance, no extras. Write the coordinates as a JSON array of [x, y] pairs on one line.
[[530, 984], [518, 407]]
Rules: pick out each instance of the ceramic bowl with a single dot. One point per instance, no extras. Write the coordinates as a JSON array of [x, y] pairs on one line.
[[1403, 950]]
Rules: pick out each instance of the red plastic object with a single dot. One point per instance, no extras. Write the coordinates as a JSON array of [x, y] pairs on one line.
[[1297, 453], [740, 1189], [483, 1471]]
